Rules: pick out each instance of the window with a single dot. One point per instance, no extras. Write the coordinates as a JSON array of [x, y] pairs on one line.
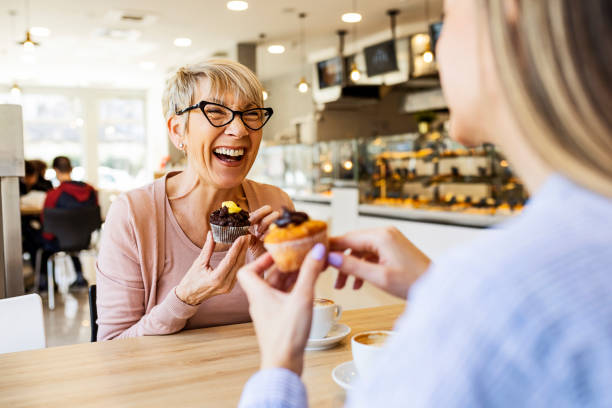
[[121, 143], [53, 126]]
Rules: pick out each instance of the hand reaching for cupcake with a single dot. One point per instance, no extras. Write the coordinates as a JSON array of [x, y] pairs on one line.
[[203, 282], [383, 257]]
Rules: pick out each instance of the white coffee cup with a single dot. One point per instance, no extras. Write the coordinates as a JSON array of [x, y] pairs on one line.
[[325, 313], [366, 348]]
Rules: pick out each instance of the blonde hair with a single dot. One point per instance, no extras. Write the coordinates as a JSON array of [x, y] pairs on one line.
[[225, 77], [555, 65]]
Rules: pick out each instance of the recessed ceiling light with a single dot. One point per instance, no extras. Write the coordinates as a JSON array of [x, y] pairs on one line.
[[276, 49], [182, 42], [237, 5], [40, 31], [148, 65], [351, 17]]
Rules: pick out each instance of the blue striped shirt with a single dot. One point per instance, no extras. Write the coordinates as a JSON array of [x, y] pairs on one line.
[[520, 318]]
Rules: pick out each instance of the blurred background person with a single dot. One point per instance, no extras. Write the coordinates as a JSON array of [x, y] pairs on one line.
[[42, 184], [69, 194]]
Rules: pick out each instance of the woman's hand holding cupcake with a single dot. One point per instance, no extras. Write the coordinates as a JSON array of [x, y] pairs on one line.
[[261, 220], [203, 282]]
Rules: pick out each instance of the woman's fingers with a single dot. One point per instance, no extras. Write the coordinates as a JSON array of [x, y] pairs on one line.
[[340, 280], [259, 214], [349, 265], [357, 284], [267, 221], [250, 276], [232, 256], [207, 249], [360, 241]]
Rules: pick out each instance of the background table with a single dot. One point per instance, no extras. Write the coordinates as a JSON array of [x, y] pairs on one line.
[[203, 368]]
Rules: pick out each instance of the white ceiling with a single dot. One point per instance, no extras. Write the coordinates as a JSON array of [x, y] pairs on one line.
[[78, 54]]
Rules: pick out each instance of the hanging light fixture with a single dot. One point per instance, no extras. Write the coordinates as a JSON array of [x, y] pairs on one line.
[[15, 91], [303, 85], [355, 74], [28, 44], [428, 56], [262, 42]]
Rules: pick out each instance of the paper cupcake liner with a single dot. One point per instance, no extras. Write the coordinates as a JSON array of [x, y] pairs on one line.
[[289, 255], [227, 235]]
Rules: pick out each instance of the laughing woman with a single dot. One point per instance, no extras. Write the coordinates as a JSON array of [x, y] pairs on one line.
[[159, 270]]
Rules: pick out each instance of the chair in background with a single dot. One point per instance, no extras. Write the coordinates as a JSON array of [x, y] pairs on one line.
[[22, 324], [93, 313], [72, 227]]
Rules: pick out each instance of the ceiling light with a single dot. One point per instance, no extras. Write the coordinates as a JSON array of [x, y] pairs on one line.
[[303, 86], [40, 31], [428, 56], [265, 95], [328, 167], [147, 65], [348, 165], [15, 91], [355, 73], [276, 49], [182, 42], [237, 5], [351, 17]]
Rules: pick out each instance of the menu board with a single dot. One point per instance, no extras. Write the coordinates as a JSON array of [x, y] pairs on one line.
[[330, 72], [380, 58]]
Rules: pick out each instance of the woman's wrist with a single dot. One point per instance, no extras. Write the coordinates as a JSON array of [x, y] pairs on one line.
[[185, 297], [295, 364]]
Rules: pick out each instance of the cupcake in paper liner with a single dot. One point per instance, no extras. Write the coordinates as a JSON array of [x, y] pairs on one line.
[[291, 238], [229, 222]]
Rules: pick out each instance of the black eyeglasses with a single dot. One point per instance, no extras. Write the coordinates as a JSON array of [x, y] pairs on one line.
[[219, 115]]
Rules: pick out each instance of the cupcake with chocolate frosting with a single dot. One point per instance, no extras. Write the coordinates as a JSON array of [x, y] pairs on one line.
[[291, 238], [229, 222]]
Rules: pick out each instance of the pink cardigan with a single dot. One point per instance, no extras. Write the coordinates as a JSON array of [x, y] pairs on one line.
[[143, 256]]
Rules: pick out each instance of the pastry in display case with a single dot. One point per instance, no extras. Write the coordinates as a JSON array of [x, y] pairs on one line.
[[429, 171]]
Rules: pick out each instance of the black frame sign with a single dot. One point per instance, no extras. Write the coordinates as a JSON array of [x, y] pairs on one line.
[[381, 58], [330, 72]]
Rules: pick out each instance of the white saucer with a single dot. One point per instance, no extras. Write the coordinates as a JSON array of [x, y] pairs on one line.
[[336, 334], [345, 375]]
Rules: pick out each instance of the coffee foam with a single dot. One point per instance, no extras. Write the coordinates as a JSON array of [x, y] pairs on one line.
[[322, 302], [372, 339]]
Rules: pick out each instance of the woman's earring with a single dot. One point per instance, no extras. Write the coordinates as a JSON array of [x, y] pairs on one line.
[[182, 146]]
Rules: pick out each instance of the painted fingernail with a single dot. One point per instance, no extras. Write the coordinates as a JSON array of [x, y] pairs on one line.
[[335, 259], [318, 252]]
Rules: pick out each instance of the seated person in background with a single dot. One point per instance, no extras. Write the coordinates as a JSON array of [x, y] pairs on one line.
[[42, 184], [29, 180], [69, 194]]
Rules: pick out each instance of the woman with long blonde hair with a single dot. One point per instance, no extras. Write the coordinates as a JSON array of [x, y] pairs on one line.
[[521, 318]]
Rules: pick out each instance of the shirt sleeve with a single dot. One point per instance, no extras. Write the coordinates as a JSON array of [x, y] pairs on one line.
[[121, 288], [274, 388]]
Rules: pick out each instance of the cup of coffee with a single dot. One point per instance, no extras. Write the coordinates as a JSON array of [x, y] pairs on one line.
[[325, 313], [366, 348]]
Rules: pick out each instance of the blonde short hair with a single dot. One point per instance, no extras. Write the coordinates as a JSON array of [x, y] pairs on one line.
[[554, 63], [225, 77]]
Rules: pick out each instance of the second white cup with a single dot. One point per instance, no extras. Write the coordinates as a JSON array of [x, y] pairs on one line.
[[325, 313]]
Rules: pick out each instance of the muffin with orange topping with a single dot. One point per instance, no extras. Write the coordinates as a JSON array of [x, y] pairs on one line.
[[229, 222], [291, 237]]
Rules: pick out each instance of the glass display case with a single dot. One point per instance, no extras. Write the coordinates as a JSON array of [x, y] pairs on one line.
[[422, 175], [429, 171]]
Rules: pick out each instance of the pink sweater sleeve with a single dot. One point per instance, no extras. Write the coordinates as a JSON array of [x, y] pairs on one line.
[[123, 285]]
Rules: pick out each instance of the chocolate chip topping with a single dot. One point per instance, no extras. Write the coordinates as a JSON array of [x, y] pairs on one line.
[[223, 217], [291, 217]]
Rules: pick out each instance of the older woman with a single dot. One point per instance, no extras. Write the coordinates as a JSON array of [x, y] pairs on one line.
[[159, 270], [520, 318]]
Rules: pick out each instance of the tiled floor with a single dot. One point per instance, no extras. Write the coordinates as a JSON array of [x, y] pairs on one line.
[[68, 323]]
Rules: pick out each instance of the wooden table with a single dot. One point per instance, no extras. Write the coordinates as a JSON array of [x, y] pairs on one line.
[[203, 368], [25, 210]]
